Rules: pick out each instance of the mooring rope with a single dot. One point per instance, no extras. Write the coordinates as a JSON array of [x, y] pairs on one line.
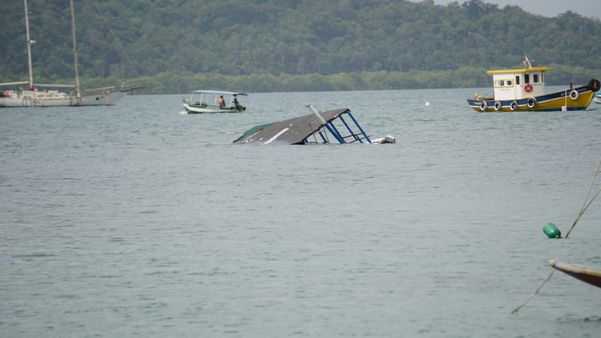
[[534, 293], [587, 203]]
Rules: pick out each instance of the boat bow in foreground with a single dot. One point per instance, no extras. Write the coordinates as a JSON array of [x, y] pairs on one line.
[[584, 273]]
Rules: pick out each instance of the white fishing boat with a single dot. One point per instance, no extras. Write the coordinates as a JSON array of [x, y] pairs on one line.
[[36, 96], [213, 101]]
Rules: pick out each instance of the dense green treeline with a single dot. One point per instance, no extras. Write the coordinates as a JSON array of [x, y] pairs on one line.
[[169, 82], [282, 45]]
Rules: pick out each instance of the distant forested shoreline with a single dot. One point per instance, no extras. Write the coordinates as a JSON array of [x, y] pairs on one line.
[[174, 46], [171, 83]]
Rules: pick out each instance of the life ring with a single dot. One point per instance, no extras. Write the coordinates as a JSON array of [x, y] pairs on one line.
[[574, 94], [594, 84], [498, 106], [531, 102], [513, 106], [483, 106], [528, 88]]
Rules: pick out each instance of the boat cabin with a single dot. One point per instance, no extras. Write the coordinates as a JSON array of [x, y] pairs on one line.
[[211, 97], [516, 84], [214, 101]]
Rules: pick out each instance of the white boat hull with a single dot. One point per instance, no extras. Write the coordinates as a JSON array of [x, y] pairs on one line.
[[192, 109], [28, 98], [102, 100]]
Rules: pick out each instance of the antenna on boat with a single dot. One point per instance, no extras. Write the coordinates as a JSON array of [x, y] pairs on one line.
[[314, 111], [527, 62]]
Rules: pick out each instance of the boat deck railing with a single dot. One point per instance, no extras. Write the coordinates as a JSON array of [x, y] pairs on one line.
[[339, 130]]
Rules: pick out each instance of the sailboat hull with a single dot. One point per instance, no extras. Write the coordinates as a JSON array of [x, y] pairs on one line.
[[102, 100], [14, 99]]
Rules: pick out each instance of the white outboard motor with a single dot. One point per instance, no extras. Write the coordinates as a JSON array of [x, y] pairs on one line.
[[384, 140]]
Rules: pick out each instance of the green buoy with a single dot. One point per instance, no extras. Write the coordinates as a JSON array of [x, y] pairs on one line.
[[552, 231]]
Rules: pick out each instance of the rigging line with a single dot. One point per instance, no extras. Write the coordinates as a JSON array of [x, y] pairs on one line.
[[534, 293], [115, 38], [586, 200], [582, 212], [596, 173]]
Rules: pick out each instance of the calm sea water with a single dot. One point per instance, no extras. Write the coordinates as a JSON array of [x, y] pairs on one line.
[[137, 220]]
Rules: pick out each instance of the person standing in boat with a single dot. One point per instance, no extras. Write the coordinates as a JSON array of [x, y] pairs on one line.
[[238, 106], [221, 101]]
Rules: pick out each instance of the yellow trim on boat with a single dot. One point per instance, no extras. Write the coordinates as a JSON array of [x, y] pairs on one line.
[[582, 102], [517, 71]]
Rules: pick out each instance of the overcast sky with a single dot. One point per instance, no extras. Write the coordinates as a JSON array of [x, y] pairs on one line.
[[550, 8]]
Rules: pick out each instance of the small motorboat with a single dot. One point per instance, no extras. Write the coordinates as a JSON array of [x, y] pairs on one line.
[[213, 101], [524, 90], [584, 273], [597, 98], [337, 126]]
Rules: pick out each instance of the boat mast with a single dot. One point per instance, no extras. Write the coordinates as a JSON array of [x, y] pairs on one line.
[[28, 45], [77, 90]]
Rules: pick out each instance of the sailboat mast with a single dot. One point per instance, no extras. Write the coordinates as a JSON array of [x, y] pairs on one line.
[[77, 90], [28, 44]]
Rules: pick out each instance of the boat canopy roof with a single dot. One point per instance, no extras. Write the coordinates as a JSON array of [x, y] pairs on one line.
[[217, 92], [291, 131], [517, 71]]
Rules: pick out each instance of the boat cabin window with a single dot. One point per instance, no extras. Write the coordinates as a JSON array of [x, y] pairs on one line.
[[503, 83], [526, 78], [517, 79], [535, 78]]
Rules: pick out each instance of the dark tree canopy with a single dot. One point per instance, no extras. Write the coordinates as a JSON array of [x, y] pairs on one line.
[[275, 38]]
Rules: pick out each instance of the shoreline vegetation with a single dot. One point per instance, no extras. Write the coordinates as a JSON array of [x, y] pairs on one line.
[[267, 46], [464, 77]]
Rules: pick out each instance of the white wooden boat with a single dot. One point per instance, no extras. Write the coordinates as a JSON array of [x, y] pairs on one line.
[[213, 101]]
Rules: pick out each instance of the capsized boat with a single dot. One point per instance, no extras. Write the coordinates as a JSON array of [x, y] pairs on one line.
[[35, 96], [584, 273], [337, 126], [213, 101], [524, 90]]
